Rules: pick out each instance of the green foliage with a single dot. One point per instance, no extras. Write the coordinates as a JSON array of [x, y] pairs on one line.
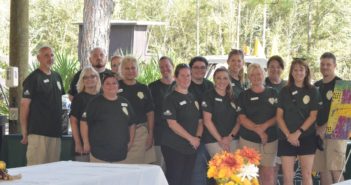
[[66, 66], [148, 71]]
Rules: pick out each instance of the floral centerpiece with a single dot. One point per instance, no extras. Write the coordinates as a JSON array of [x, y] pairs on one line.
[[237, 168], [4, 174]]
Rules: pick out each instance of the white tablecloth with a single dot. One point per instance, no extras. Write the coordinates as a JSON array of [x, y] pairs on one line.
[[347, 182], [80, 173]]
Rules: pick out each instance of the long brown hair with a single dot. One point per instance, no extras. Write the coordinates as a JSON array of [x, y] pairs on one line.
[[307, 79], [241, 54], [228, 90]]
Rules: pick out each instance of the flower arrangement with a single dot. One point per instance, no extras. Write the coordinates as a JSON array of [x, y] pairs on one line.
[[237, 168], [4, 174]]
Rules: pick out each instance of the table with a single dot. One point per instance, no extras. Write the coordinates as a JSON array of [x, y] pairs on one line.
[[83, 173], [348, 182]]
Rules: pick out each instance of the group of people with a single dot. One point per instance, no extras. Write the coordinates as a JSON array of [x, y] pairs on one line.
[[182, 119]]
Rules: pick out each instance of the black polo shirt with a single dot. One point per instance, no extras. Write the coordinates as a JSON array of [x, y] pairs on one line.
[[73, 86], [277, 87], [79, 105], [45, 109], [108, 123], [198, 90], [140, 98], [306, 100], [326, 91], [223, 111], [159, 91], [237, 87], [184, 109], [259, 108]]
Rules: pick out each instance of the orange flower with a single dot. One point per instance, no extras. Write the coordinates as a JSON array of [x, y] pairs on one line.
[[233, 162], [251, 155]]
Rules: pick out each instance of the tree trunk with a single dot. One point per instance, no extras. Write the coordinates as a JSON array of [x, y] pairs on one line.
[[238, 26], [264, 27], [18, 52], [96, 27], [309, 26]]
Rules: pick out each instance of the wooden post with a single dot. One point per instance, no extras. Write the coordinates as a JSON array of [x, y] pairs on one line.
[[18, 51]]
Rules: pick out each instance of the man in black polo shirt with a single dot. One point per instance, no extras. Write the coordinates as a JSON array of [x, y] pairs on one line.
[[41, 110], [98, 60], [329, 162], [199, 85]]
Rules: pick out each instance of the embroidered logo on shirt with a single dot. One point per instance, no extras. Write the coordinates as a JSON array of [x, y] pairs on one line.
[[167, 113], [125, 110], [197, 105], [329, 95], [254, 98], [204, 104], [27, 93], [306, 99], [140, 95], [238, 109], [59, 85], [271, 100], [182, 102], [233, 84], [46, 81], [124, 104], [218, 99], [233, 105], [293, 93], [84, 115], [120, 90]]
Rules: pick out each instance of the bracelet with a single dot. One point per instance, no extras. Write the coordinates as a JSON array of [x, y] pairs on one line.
[[301, 130]]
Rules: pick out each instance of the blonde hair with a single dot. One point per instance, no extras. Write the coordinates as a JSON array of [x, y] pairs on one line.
[[253, 67], [85, 70], [125, 61]]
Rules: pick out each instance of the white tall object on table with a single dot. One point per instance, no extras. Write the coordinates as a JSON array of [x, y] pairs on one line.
[[81, 173]]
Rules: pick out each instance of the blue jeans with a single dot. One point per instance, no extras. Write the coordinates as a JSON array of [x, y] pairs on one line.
[[200, 168]]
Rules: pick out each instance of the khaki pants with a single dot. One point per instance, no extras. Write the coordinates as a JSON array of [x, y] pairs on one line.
[[268, 151], [137, 153], [333, 156], [213, 148], [43, 149]]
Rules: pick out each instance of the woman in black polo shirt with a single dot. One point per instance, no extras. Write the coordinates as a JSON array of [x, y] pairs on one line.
[[236, 71], [258, 122], [275, 68], [221, 130], [296, 115], [159, 90], [88, 87], [107, 124], [179, 139], [140, 98]]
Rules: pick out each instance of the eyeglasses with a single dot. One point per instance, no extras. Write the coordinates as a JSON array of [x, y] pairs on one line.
[[199, 67], [114, 65], [89, 77]]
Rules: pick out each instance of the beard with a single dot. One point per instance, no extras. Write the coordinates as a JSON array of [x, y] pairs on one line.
[[99, 64]]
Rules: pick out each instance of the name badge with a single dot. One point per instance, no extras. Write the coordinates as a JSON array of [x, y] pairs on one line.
[[233, 84], [182, 102], [218, 99], [254, 98], [293, 93], [124, 105], [120, 90], [46, 81]]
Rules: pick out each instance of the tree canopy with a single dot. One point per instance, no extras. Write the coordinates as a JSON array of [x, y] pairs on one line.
[[294, 28]]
